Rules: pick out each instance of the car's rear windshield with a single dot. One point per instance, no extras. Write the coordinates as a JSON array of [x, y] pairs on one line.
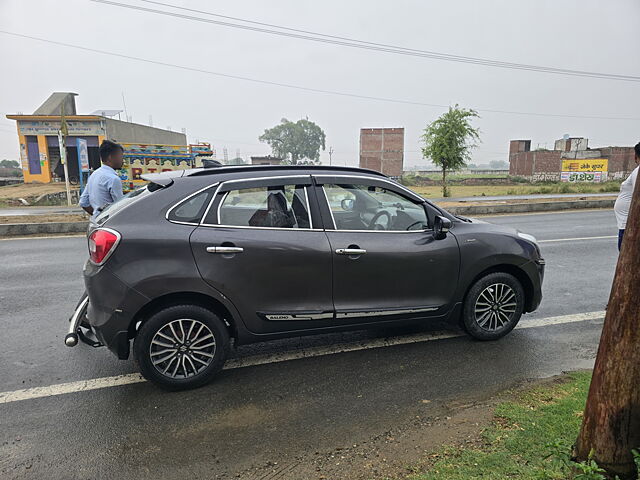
[[113, 208]]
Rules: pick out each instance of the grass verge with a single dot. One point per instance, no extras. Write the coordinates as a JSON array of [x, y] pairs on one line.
[[612, 187], [527, 440]]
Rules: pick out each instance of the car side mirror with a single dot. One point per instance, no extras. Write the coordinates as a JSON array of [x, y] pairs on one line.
[[441, 226], [347, 204]]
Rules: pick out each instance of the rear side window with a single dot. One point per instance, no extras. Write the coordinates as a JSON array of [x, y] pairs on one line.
[[192, 208], [280, 206]]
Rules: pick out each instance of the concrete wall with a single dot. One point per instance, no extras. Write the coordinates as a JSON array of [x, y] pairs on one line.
[[382, 149], [125, 132], [621, 161]]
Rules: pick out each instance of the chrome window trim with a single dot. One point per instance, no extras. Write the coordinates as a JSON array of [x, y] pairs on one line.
[[179, 202], [276, 177], [213, 199], [219, 212], [335, 229]]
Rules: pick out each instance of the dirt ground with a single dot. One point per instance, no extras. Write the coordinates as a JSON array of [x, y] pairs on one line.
[[404, 450], [23, 190]]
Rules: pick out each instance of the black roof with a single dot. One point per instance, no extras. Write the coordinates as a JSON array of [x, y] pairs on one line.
[[252, 168], [166, 178]]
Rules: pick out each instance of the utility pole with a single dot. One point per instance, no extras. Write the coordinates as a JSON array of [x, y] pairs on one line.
[[126, 114], [330, 154], [611, 420], [62, 133]]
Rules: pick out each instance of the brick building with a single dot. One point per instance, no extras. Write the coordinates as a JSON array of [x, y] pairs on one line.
[[382, 149], [571, 160]]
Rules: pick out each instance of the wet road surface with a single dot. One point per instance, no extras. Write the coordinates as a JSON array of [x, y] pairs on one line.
[[282, 412]]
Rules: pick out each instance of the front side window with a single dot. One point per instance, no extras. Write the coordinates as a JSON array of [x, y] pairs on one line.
[[368, 207], [280, 206]]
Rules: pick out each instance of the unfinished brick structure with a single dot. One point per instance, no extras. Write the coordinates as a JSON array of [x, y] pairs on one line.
[[541, 165], [382, 149]]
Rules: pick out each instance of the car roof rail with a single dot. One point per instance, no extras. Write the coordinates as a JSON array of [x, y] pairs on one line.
[[253, 168]]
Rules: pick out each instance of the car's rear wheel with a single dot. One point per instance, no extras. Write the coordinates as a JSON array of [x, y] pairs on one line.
[[493, 306], [181, 347]]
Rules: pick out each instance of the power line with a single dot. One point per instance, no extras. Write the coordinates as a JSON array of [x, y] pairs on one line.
[[360, 44], [300, 87]]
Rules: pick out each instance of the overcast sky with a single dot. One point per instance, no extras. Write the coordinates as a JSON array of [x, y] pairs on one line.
[[587, 35]]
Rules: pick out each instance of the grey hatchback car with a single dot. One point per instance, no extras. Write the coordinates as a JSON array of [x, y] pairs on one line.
[[198, 259]]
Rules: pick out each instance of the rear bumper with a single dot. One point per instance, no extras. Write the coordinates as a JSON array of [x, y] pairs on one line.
[[112, 306]]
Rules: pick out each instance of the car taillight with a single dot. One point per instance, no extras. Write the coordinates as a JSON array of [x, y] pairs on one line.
[[102, 242]]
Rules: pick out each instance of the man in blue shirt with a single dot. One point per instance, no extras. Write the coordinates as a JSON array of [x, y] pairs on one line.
[[104, 185]]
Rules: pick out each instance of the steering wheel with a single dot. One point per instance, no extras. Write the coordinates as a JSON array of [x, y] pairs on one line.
[[373, 225], [419, 222]]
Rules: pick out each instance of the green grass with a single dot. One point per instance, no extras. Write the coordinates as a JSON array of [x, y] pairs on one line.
[[458, 176], [527, 429]]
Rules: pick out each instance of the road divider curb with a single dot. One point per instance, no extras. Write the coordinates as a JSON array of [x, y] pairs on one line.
[[23, 229]]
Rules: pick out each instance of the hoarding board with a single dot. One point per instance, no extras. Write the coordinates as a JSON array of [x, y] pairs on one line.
[[584, 170]]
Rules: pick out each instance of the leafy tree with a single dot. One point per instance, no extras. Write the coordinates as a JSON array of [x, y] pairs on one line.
[[9, 164], [296, 143], [449, 139]]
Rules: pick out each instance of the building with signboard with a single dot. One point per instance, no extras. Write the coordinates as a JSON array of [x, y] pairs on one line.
[[39, 145], [382, 149], [571, 160], [144, 158]]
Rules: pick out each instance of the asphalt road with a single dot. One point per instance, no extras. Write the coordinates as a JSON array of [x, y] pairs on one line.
[[279, 413]]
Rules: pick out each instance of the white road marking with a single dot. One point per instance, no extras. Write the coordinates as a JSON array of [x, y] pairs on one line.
[[119, 380], [577, 239]]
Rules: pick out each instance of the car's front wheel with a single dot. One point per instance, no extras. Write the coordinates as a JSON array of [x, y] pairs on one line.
[[493, 306], [181, 347]]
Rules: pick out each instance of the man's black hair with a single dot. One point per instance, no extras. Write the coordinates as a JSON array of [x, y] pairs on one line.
[[107, 148], [637, 149]]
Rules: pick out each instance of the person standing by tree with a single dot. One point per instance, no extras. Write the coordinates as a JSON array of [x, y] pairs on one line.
[[449, 140], [623, 202], [104, 185]]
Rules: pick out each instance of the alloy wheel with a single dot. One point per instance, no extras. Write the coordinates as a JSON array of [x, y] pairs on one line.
[[182, 348], [495, 307]]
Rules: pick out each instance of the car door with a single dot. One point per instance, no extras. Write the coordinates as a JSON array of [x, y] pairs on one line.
[[259, 246], [387, 262]]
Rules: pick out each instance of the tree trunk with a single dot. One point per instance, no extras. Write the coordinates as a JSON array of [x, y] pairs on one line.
[[445, 191], [611, 422]]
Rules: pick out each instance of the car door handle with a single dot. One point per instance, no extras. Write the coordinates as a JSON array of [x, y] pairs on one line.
[[351, 251], [225, 249]]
